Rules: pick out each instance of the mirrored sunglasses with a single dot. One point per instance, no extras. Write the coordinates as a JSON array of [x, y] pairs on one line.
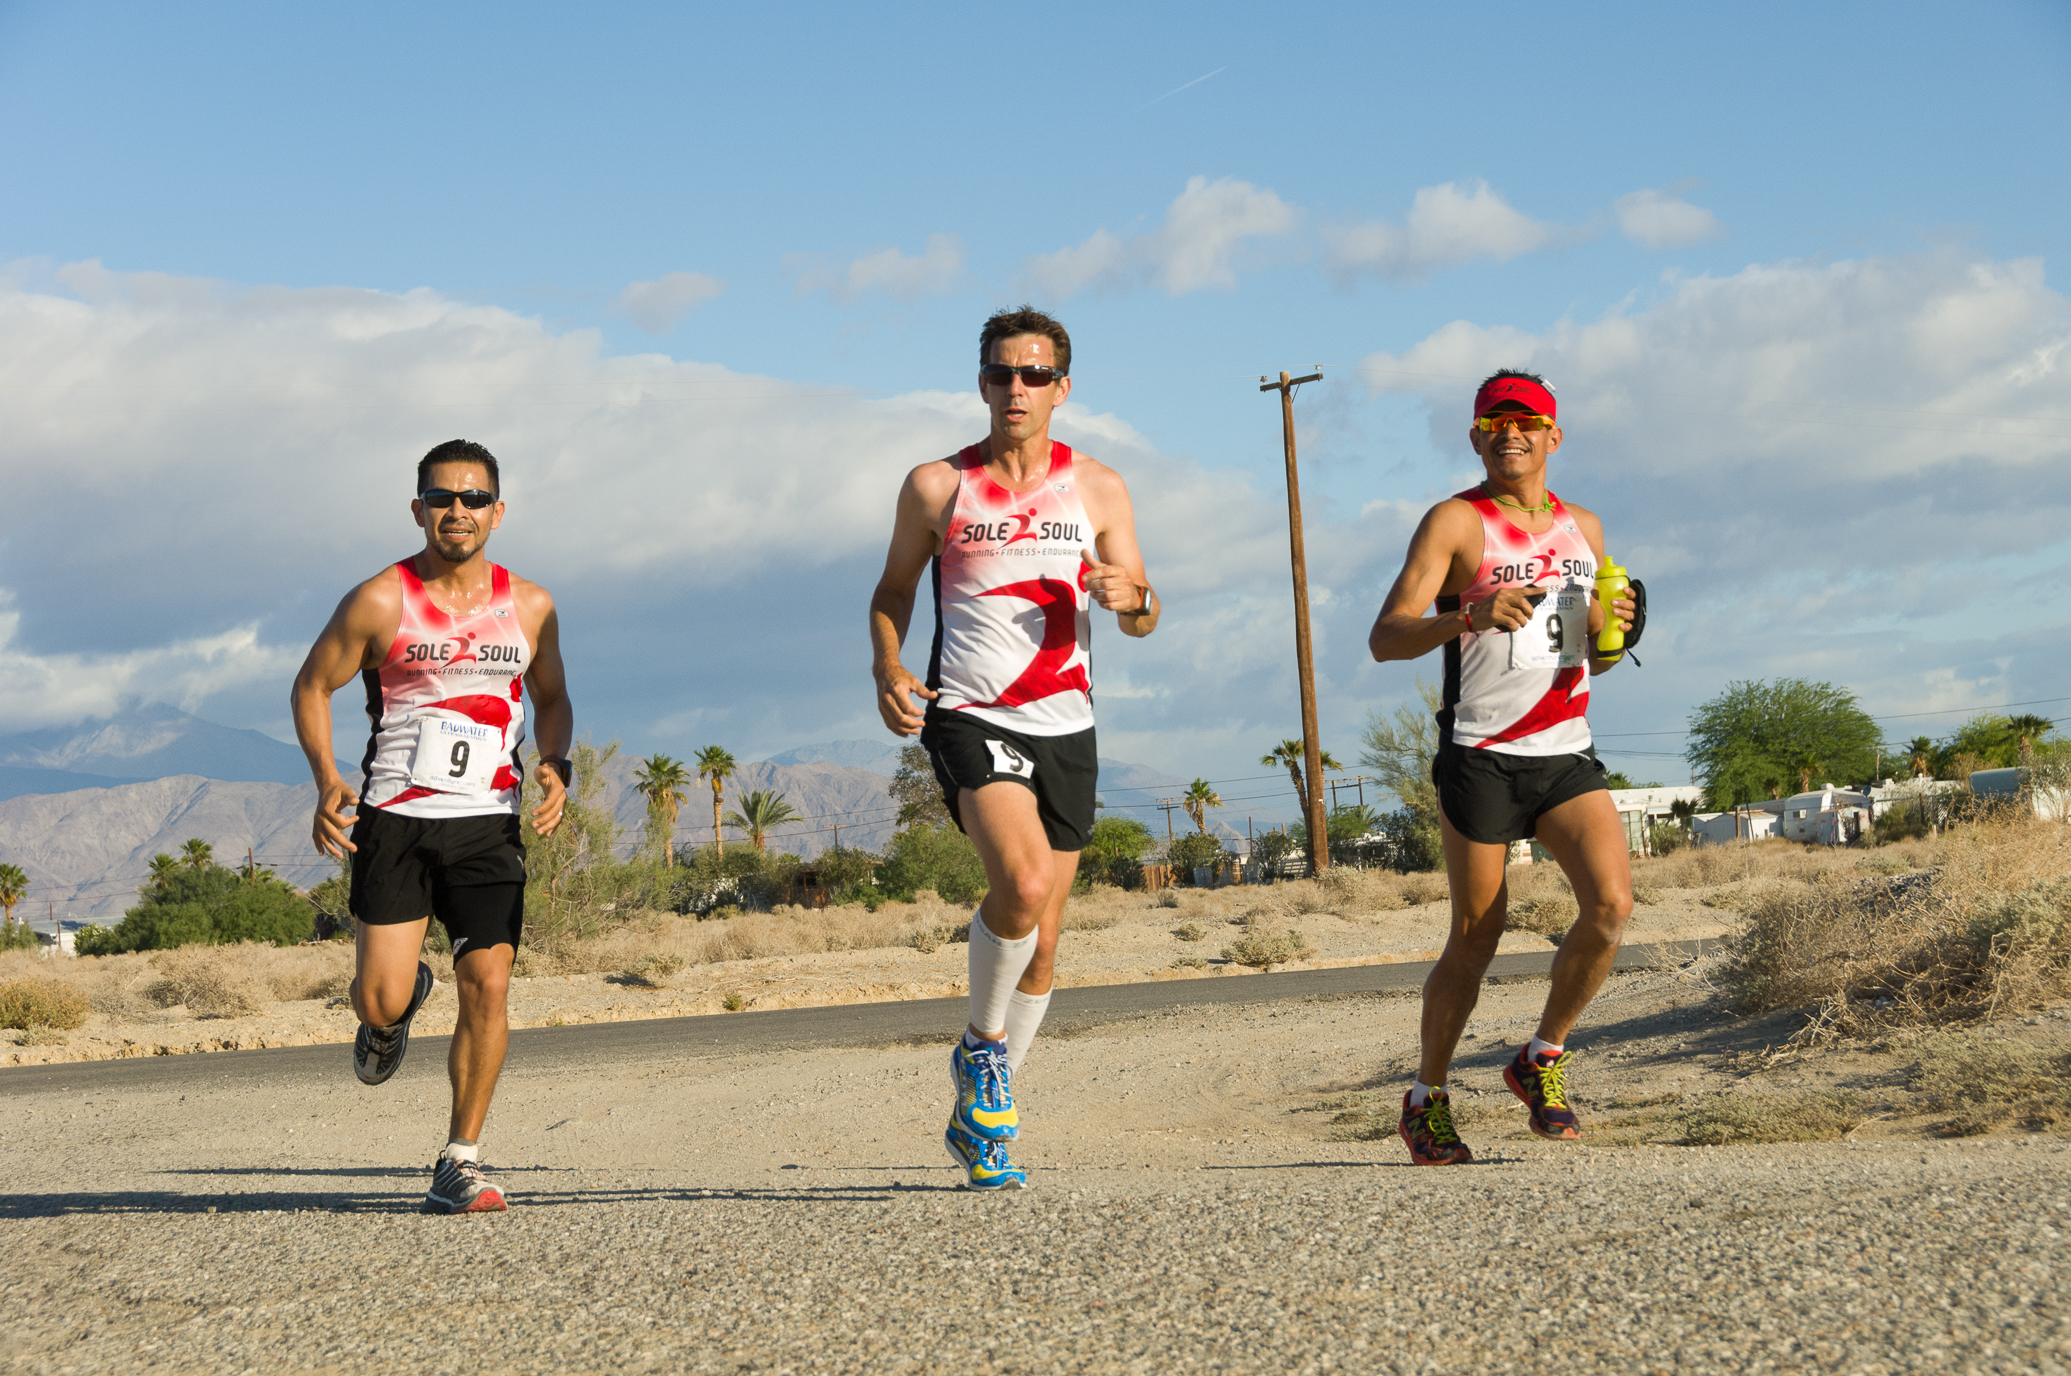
[[1523, 420], [439, 498], [1000, 374]]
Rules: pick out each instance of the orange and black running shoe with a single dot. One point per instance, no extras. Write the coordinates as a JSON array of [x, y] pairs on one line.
[[1542, 1084], [1428, 1133]]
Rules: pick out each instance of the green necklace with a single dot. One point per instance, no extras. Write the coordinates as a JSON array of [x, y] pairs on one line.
[[1545, 505]]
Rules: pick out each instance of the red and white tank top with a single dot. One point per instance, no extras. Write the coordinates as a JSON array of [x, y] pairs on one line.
[[1013, 624], [447, 707], [1523, 692]]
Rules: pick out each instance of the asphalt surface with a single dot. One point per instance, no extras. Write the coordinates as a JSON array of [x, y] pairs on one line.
[[783, 1205]]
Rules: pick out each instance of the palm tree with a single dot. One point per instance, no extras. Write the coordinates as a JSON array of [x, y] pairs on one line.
[[1920, 754], [660, 779], [760, 814], [1808, 764], [2026, 728], [716, 765], [1199, 797], [198, 853], [1292, 754], [14, 885], [163, 868]]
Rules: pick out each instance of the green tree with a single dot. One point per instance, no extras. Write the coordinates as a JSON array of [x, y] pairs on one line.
[[1755, 738], [1199, 797], [916, 791], [1919, 754], [1294, 754], [661, 781], [2027, 729], [198, 854], [1988, 739], [1114, 853], [718, 766], [207, 906], [163, 868], [760, 813], [1400, 749], [1185, 853], [14, 886], [938, 858]]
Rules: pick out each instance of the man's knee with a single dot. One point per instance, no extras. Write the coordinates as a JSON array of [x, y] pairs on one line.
[[1029, 888], [483, 978], [1609, 909]]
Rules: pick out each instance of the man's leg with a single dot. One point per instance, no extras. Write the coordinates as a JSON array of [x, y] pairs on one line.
[[385, 970], [480, 1036], [1586, 838], [1028, 884], [1474, 869]]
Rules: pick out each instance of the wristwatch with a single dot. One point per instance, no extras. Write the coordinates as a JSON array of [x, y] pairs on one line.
[[1145, 609], [1467, 610], [562, 767]]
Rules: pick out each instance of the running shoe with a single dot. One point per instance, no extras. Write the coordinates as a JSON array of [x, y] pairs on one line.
[[377, 1052], [460, 1187], [984, 1162], [984, 1099], [1428, 1132], [1542, 1084]]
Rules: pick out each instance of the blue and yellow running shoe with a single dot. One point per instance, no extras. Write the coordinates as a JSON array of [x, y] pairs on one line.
[[985, 1163], [984, 1099]]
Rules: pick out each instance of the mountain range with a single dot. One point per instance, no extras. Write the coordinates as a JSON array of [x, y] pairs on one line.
[[83, 809]]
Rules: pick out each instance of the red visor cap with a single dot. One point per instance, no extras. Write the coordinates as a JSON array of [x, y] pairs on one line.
[[1522, 390]]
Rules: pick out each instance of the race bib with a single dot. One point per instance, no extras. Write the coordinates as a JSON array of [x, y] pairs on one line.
[[1007, 760], [456, 756], [1556, 637]]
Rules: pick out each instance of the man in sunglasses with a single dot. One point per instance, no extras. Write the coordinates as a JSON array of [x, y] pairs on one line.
[[1026, 535], [1511, 569], [447, 644]]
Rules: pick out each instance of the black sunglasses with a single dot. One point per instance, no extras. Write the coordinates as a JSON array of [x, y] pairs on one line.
[[439, 498], [1001, 374]]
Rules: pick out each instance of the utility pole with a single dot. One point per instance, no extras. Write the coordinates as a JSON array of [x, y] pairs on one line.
[[1305, 663], [1169, 804]]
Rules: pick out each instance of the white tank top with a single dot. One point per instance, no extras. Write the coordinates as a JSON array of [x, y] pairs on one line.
[[1013, 624], [447, 707], [1523, 692]]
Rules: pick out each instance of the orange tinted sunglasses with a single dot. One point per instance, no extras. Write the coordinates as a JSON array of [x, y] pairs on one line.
[[1523, 420]]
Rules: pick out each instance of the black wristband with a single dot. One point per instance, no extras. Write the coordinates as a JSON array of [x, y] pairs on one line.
[[562, 767]]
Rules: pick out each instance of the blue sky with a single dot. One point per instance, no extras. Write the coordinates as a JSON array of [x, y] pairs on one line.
[[709, 280]]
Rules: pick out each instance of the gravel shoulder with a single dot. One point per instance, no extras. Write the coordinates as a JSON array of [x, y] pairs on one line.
[[1202, 1200]]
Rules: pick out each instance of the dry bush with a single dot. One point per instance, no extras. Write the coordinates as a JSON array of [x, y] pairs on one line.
[[1813, 1116], [1645, 895], [211, 981], [653, 970], [1986, 932], [1167, 898], [1990, 1084], [1192, 931], [1419, 889], [35, 1003], [1263, 952], [1549, 915], [1190, 963]]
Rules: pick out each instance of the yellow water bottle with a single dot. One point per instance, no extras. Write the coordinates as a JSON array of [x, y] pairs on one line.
[[1610, 583]]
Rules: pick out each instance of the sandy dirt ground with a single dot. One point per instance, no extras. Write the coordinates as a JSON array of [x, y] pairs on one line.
[[1143, 946], [1213, 1189]]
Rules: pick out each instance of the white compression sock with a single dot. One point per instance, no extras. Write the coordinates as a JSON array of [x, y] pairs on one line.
[[996, 967], [1538, 1048], [1420, 1093], [1024, 1016]]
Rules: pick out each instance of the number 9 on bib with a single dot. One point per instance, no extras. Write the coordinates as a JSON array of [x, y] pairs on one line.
[[456, 756]]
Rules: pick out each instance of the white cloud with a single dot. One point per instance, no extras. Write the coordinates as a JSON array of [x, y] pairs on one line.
[[1448, 225], [1661, 219], [934, 271], [1196, 246], [657, 306]]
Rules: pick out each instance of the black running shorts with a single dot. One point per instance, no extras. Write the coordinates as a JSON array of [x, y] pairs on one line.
[[1062, 771], [468, 872], [1496, 798]]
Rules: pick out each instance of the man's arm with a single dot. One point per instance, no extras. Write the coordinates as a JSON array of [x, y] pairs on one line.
[[554, 716], [1115, 577], [914, 540], [1593, 531], [354, 639], [1445, 549]]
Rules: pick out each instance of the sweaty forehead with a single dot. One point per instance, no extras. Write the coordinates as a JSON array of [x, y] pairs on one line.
[[1024, 350], [461, 476]]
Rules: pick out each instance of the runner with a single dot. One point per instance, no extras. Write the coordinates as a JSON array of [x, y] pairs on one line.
[[446, 643], [1026, 534], [1511, 567]]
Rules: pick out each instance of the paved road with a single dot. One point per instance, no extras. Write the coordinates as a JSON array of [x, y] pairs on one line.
[[798, 1029]]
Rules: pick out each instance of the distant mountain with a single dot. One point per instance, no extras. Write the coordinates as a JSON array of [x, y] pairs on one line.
[[154, 742], [878, 757], [16, 781]]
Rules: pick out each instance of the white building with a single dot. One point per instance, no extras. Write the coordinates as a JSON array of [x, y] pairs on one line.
[[1754, 822]]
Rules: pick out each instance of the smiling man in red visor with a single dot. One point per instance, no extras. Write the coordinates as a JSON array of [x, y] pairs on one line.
[[447, 645], [1026, 536], [1511, 569]]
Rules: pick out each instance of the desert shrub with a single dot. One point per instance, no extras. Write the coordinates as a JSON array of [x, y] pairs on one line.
[[205, 907], [212, 981], [1185, 853], [1817, 1116], [848, 871], [1666, 838], [1549, 914], [1990, 1084], [1190, 931], [1263, 952], [1273, 847], [1420, 889], [27, 1003], [1414, 842], [1900, 824], [17, 936], [1114, 854], [939, 858]]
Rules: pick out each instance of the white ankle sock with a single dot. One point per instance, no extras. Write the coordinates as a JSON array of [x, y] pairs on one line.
[[460, 1149], [1533, 1052], [1024, 1016], [1420, 1093], [997, 965]]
